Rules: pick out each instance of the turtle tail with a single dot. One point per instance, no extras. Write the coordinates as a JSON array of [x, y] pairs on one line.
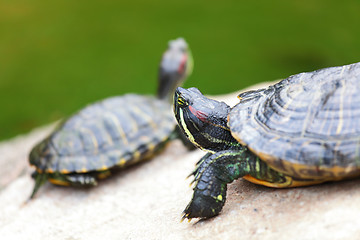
[[40, 179]]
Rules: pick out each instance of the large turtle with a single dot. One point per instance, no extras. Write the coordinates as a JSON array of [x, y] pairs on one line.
[[113, 133], [301, 131]]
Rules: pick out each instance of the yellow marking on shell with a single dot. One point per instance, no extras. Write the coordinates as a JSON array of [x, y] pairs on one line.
[[320, 129], [341, 121], [59, 182], [103, 167], [307, 118], [306, 143], [151, 146], [122, 162], [146, 117], [286, 184], [164, 139], [219, 197], [108, 138], [92, 137], [298, 183], [341, 107], [134, 126], [287, 104], [147, 156], [290, 182], [64, 171], [119, 128], [298, 89], [274, 139], [325, 173], [50, 170], [317, 173], [136, 155], [38, 170], [104, 174]]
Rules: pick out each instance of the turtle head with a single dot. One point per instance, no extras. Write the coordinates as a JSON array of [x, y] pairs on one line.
[[203, 120], [175, 66]]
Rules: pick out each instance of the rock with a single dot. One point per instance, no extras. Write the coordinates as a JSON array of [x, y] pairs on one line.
[[15, 152], [146, 201]]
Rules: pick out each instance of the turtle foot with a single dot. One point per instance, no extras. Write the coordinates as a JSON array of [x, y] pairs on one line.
[[203, 206]]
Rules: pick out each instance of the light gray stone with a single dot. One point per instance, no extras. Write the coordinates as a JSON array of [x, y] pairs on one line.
[[146, 201]]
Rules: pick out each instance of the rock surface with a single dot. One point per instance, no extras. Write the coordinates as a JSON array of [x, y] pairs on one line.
[[146, 201]]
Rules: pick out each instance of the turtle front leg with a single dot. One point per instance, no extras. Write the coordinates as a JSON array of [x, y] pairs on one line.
[[211, 176], [215, 171]]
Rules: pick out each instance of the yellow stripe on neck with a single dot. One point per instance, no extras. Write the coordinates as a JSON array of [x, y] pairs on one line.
[[183, 124]]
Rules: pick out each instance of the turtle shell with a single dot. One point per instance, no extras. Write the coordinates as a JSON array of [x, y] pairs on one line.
[[117, 131], [306, 126]]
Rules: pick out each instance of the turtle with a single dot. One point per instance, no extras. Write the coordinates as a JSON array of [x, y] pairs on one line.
[[113, 133], [300, 131]]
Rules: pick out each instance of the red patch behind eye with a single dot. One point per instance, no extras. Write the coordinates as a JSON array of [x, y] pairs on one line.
[[199, 114], [182, 64]]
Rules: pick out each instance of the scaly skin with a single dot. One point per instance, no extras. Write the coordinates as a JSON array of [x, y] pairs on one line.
[[217, 170], [204, 122]]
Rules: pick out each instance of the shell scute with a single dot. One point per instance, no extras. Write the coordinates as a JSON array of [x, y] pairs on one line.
[[309, 119], [105, 133]]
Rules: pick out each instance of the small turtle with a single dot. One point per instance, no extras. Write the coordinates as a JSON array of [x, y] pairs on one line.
[[303, 130], [113, 133]]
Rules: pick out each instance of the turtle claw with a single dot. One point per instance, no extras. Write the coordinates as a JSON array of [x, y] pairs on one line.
[[196, 177], [204, 203], [192, 182], [191, 174], [197, 209], [185, 216]]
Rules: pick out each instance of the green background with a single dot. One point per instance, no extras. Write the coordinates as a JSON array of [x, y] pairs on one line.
[[57, 56]]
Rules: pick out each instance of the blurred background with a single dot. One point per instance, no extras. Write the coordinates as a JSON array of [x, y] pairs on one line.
[[57, 56]]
